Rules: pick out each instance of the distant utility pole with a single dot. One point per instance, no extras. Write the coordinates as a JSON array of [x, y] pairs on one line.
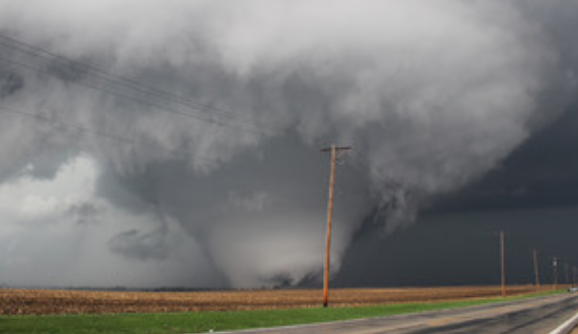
[[574, 271], [536, 271], [566, 275], [555, 272], [503, 265], [333, 149]]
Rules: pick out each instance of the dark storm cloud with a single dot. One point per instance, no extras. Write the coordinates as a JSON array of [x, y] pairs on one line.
[[539, 174], [463, 248], [429, 104]]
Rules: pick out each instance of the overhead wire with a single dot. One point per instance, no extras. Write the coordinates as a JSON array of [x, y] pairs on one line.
[[104, 90], [202, 117], [37, 51], [195, 109]]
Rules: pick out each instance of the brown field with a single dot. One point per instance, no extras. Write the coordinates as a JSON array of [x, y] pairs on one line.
[[64, 301]]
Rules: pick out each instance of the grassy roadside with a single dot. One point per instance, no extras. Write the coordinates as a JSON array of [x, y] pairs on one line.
[[170, 323]]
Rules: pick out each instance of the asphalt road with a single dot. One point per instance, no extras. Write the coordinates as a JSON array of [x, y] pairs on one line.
[[534, 316]]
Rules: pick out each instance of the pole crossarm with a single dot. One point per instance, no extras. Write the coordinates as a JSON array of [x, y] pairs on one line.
[[337, 148]]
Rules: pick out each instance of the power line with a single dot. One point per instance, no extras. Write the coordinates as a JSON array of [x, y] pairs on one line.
[[198, 116], [125, 81], [199, 110], [104, 90], [36, 51]]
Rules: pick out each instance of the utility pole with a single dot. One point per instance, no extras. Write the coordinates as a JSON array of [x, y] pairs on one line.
[[536, 271], [566, 275], [503, 265], [555, 271], [333, 149], [574, 270]]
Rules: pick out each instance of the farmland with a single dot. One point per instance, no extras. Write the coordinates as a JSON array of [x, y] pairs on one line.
[[41, 302]]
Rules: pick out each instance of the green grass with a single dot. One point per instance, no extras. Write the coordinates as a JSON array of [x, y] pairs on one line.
[[199, 322]]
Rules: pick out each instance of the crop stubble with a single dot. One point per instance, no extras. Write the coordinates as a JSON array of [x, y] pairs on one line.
[[15, 301]]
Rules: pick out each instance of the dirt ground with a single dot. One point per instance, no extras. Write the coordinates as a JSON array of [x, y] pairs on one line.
[[14, 301]]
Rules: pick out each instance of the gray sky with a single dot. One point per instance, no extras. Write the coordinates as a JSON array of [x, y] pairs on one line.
[[457, 111]]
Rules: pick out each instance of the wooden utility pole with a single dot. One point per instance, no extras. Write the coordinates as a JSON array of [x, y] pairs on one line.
[[536, 271], [503, 265], [555, 272], [566, 273], [574, 271], [333, 149]]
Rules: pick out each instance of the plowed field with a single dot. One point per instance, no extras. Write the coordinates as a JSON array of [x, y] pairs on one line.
[[64, 301]]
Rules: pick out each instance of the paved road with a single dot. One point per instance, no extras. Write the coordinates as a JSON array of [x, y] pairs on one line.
[[535, 316]]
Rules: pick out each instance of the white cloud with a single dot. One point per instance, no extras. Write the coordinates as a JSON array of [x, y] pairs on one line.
[[38, 235], [431, 94]]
